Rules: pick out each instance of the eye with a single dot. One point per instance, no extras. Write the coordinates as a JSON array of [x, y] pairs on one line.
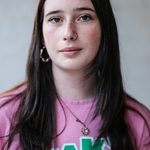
[[85, 18], [55, 20]]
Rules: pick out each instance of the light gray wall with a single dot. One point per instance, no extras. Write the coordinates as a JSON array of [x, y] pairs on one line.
[[133, 19], [16, 21]]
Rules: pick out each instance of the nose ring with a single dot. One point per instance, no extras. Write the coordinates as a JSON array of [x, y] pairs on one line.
[[74, 37]]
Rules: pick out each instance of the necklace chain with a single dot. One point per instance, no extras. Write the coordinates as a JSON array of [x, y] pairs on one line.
[[84, 130]]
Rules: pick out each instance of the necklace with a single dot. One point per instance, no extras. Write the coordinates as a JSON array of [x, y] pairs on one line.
[[84, 130]]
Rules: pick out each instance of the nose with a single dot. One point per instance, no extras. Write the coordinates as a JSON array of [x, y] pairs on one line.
[[70, 33]]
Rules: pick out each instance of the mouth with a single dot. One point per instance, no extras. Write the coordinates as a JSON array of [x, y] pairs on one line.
[[70, 51]]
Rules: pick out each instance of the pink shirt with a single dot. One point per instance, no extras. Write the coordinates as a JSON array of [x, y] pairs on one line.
[[72, 138]]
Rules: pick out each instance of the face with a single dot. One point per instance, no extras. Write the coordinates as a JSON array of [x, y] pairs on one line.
[[71, 32]]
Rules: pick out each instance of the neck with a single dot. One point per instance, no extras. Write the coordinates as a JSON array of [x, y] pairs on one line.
[[74, 85]]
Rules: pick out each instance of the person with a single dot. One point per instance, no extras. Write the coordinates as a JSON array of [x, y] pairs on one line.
[[73, 96]]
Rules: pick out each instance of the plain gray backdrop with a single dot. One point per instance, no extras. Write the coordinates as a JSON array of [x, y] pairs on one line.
[[133, 20]]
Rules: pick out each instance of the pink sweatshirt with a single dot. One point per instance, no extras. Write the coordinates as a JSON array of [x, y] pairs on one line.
[[72, 138]]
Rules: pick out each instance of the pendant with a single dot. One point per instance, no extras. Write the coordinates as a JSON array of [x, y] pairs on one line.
[[85, 131]]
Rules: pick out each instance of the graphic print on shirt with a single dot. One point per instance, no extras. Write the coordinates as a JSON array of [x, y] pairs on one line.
[[86, 143]]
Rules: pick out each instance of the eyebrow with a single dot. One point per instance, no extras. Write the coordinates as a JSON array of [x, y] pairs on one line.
[[53, 12], [76, 9], [83, 9]]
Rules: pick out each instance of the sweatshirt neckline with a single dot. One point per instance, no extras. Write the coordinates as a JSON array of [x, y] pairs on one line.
[[78, 101]]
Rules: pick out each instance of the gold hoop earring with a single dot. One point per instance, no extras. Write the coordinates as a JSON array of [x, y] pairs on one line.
[[45, 60]]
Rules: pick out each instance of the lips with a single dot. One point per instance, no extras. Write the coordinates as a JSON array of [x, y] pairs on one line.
[[70, 49]]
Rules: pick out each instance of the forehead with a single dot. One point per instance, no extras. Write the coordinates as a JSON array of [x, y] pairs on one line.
[[66, 5]]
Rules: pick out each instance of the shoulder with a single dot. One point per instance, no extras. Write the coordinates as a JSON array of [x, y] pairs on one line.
[[136, 110], [138, 119], [9, 103]]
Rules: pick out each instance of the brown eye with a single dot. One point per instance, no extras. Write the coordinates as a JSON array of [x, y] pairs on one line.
[[85, 18], [55, 20]]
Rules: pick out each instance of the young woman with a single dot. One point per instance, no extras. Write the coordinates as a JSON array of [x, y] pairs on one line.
[[73, 97]]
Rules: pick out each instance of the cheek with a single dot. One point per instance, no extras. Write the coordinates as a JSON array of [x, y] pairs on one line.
[[49, 39], [96, 34], [93, 35], [48, 36]]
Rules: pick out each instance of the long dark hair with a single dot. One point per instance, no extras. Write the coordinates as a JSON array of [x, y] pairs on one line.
[[36, 113]]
